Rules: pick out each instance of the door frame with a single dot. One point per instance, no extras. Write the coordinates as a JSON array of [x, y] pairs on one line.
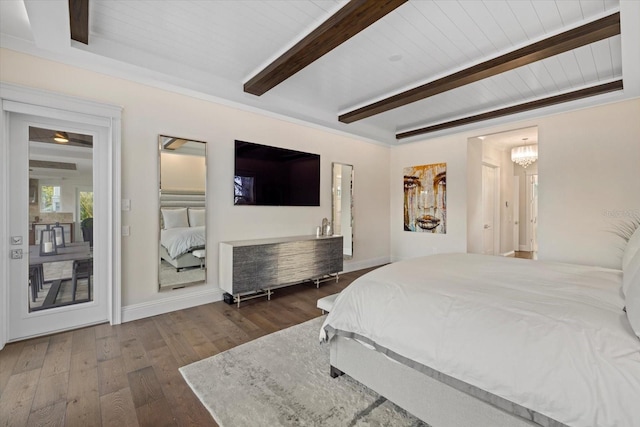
[[37, 102]]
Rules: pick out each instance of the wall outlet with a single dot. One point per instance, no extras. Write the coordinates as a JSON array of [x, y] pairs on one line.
[[126, 204]]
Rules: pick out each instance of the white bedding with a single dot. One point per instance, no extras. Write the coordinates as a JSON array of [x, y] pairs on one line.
[[550, 337], [181, 240]]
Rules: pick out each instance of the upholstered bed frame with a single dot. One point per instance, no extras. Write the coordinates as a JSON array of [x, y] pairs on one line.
[[434, 402], [181, 199], [183, 261]]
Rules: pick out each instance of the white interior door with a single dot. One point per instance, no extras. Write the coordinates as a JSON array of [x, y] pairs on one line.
[[516, 213], [489, 197], [27, 316]]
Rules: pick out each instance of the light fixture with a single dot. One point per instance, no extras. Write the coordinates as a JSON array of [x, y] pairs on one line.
[[61, 137], [524, 155]]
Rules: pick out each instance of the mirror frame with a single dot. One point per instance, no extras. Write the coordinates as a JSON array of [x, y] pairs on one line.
[[333, 204], [161, 139]]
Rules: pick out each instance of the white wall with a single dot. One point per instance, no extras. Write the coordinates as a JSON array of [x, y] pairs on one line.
[[180, 172], [148, 112], [589, 181], [451, 150]]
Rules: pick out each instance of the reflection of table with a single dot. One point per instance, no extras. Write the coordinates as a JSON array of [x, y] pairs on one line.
[[71, 252]]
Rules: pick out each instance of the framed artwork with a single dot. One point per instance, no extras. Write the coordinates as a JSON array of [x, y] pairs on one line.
[[425, 198]]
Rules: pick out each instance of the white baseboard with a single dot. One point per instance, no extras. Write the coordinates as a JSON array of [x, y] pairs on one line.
[[350, 266], [172, 302], [509, 253]]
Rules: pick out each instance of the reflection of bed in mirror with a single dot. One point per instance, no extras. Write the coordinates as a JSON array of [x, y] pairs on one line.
[[182, 223], [182, 181], [177, 245]]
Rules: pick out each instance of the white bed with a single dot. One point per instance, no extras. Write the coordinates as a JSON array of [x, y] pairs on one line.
[[182, 227], [177, 245], [477, 340]]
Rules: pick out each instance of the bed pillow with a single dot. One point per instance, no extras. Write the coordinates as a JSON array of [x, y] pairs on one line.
[[632, 302], [196, 217], [175, 218], [633, 246], [631, 273]]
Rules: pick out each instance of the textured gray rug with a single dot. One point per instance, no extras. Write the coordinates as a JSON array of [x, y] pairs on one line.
[[282, 379]]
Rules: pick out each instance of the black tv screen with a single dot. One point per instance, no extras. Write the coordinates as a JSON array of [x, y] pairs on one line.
[[271, 176]]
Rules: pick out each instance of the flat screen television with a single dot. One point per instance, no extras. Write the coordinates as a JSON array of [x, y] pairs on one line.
[[272, 176]]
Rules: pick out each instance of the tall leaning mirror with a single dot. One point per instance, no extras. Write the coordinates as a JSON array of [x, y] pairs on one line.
[[182, 235], [342, 205]]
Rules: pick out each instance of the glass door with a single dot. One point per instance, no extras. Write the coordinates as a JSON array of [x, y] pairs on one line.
[[53, 286]]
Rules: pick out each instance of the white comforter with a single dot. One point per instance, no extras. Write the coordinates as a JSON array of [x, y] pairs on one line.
[[181, 240], [551, 337]]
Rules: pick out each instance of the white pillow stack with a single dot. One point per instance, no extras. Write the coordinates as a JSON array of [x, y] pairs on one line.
[[631, 280], [174, 218], [196, 217]]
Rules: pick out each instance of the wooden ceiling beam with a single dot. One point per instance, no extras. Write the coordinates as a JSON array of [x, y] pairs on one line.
[[532, 105], [592, 32], [79, 20], [354, 17]]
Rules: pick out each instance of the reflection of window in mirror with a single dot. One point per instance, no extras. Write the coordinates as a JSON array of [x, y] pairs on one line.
[[243, 190], [50, 198]]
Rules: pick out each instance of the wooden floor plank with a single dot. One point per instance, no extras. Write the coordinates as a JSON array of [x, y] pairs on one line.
[[83, 402], [133, 355], [58, 356], [145, 387], [156, 414], [128, 374], [50, 416], [8, 358], [51, 390], [15, 404], [118, 410], [184, 405], [112, 376], [107, 348], [83, 340], [32, 355]]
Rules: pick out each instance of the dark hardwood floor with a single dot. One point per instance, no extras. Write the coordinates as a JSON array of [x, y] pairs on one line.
[[127, 375]]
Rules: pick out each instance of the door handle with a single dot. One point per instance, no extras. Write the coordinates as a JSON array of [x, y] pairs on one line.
[[486, 226]]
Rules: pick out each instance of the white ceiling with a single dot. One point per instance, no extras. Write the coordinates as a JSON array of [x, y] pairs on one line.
[[210, 48]]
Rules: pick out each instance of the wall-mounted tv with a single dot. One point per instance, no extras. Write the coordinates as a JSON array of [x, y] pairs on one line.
[[271, 176]]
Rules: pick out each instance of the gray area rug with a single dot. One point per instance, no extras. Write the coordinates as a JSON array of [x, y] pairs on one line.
[[169, 277], [282, 379]]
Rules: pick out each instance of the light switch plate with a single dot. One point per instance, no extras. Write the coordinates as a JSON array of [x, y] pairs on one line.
[[16, 240], [125, 230], [126, 204]]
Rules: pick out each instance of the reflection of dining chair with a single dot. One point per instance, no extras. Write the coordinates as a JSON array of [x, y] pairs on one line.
[[35, 280], [87, 230], [82, 269]]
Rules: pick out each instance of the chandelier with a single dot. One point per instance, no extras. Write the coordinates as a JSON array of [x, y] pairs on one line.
[[524, 155]]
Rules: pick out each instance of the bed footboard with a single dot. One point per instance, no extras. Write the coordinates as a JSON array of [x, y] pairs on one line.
[[432, 401]]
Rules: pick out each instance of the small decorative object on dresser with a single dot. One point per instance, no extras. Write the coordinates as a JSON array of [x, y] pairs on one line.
[[252, 268]]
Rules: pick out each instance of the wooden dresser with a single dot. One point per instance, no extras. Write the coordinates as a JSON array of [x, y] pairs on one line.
[[250, 268]]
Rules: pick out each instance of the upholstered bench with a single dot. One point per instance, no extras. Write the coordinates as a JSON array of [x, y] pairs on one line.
[[326, 304], [200, 254]]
